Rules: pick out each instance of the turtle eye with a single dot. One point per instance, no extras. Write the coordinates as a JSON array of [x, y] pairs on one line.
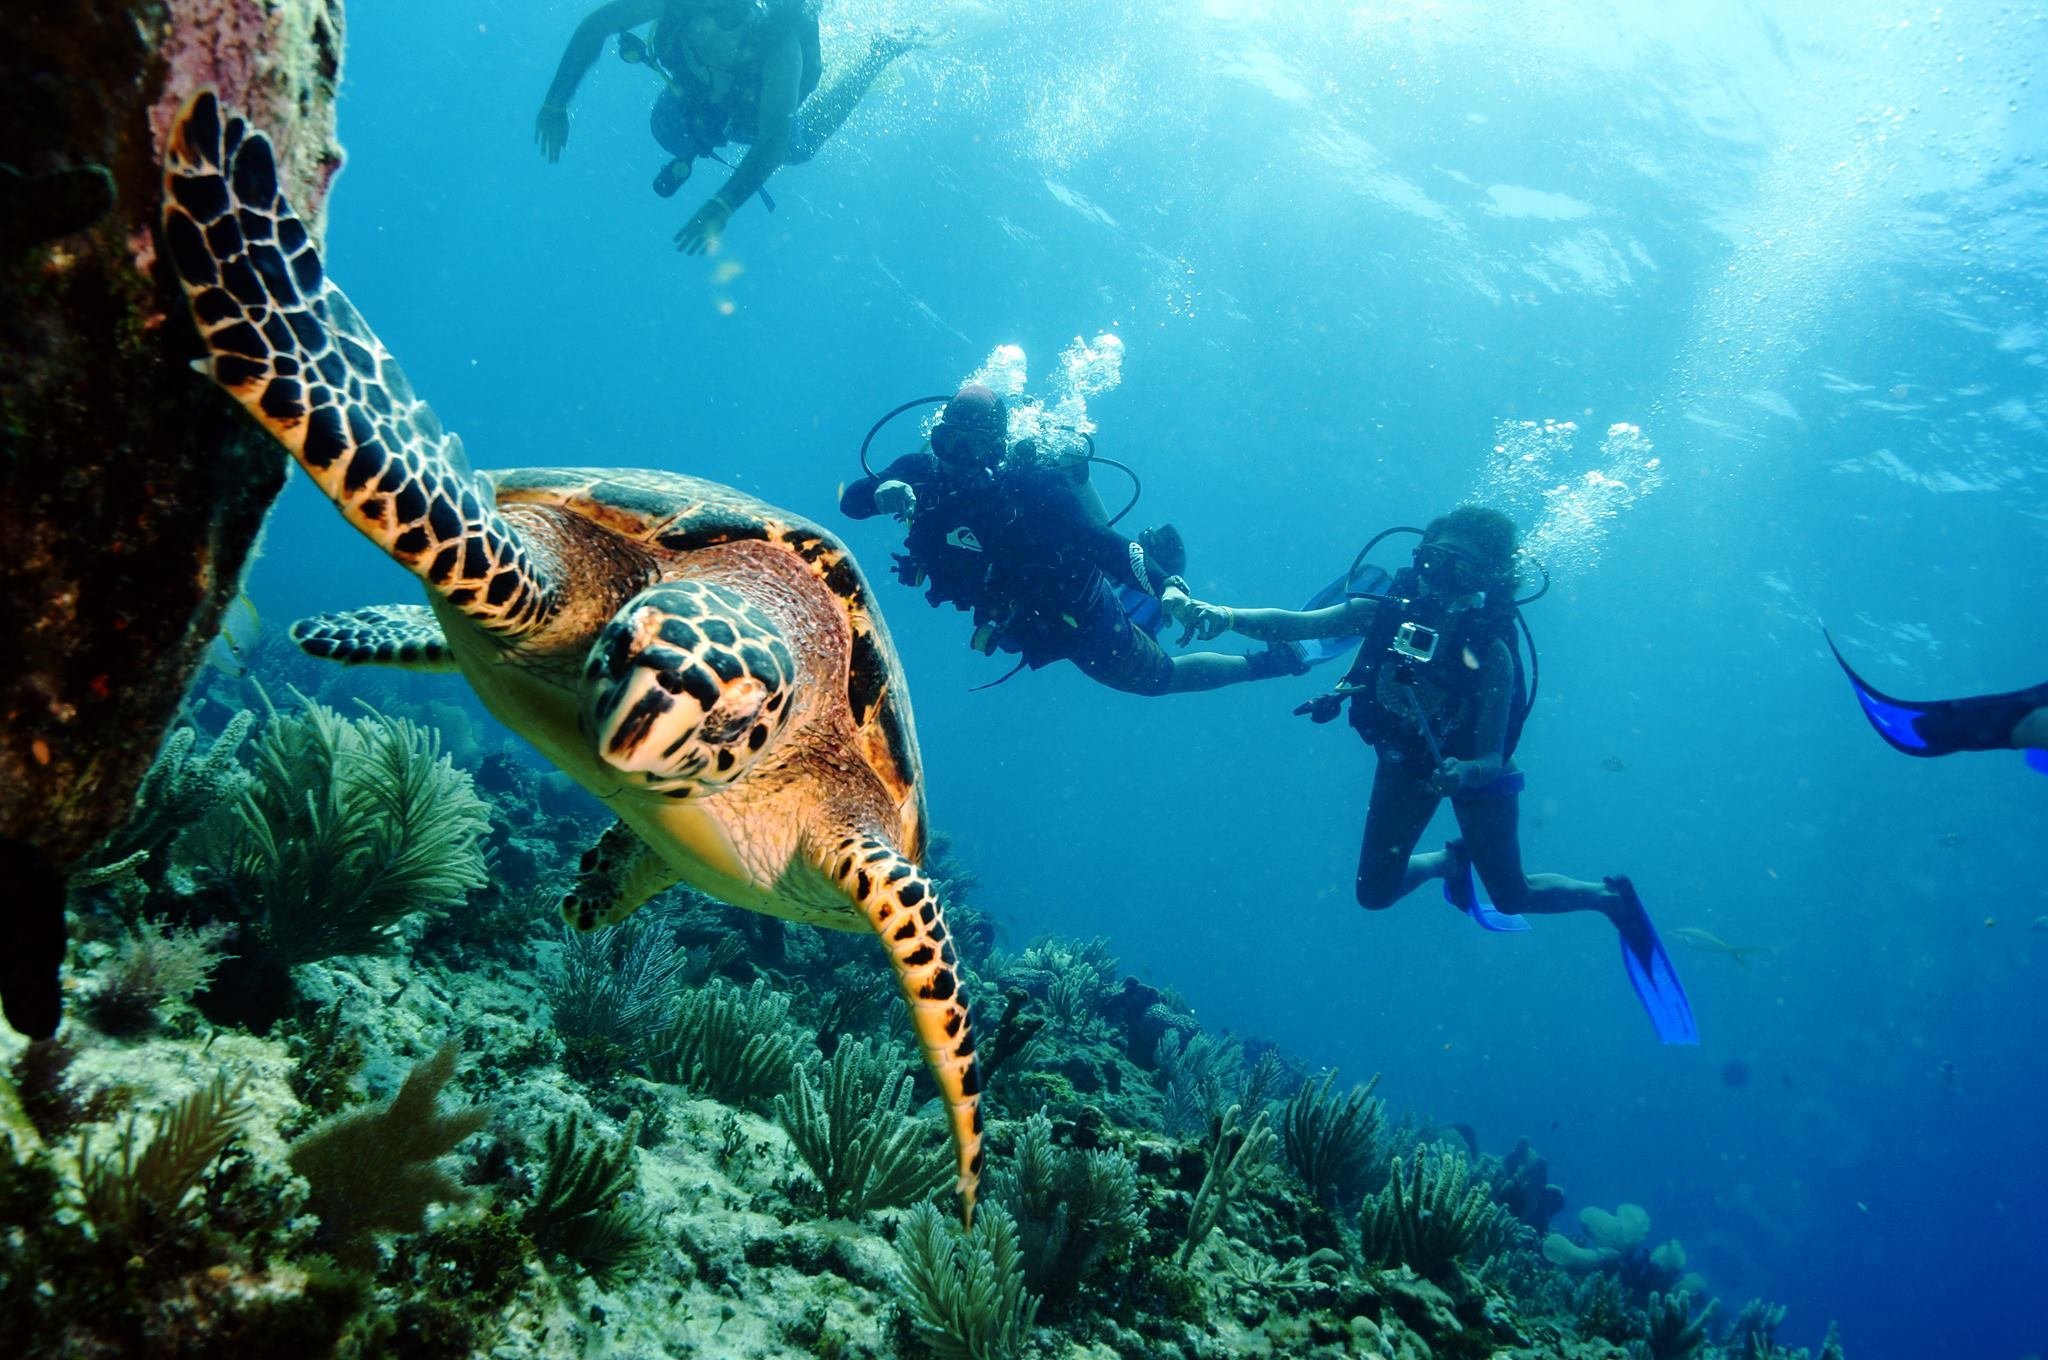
[[685, 689]]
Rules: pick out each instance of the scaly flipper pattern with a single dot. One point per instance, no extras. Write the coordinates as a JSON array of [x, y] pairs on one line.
[[402, 635], [290, 347], [899, 903], [614, 877]]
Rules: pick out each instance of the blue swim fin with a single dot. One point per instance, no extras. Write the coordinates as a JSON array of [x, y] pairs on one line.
[[1940, 727], [1651, 974], [1462, 893], [2037, 759]]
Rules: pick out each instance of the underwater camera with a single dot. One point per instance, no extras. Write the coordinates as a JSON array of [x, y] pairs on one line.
[[1415, 641]]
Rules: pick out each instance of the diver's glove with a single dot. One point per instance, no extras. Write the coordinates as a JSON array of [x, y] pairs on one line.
[[1321, 709], [896, 498]]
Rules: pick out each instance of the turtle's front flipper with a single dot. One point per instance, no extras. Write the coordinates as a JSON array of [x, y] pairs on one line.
[[614, 878], [287, 343], [402, 635], [899, 903]]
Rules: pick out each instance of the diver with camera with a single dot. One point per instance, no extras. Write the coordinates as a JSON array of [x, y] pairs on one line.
[[1440, 692]]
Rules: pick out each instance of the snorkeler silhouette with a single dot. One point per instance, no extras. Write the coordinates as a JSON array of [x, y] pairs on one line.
[[743, 71]]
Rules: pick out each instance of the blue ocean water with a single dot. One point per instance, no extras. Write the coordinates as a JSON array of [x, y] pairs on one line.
[[1358, 255]]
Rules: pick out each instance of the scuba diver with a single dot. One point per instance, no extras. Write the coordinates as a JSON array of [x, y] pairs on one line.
[[2017, 721], [1027, 548], [731, 71], [1438, 689]]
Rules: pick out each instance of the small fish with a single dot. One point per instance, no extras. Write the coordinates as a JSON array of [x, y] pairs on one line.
[[1948, 1073], [1614, 765], [228, 653], [1692, 937]]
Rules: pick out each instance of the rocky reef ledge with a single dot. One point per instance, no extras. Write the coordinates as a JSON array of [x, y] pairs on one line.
[[131, 496]]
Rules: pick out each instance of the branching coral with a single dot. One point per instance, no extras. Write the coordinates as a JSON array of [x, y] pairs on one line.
[[349, 826], [965, 1288], [123, 1191], [576, 1214], [1674, 1333], [854, 1132], [1198, 1073], [1234, 1158], [178, 791], [154, 966], [1521, 1184], [1430, 1214], [613, 993], [1755, 1329], [1331, 1141], [1072, 1208], [377, 1170], [1074, 978], [737, 1046]]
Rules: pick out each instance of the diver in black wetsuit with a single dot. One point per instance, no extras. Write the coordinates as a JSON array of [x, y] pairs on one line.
[[1033, 558], [1437, 689], [742, 71], [2017, 721]]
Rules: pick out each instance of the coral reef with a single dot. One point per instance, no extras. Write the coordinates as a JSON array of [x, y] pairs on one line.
[[576, 1215], [1430, 1215], [1331, 1141], [156, 967], [966, 1289], [131, 495], [854, 1131], [377, 1171], [1234, 1157], [1073, 1209], [346, 827], [700, 1134]]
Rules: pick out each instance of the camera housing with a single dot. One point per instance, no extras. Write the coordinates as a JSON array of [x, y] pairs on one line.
[[1416, 641]]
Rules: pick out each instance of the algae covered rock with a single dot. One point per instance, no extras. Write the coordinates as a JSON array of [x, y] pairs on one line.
[[131, 494]]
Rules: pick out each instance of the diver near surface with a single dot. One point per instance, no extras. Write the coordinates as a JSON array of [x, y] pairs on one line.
[[1022, 546], [1437, 689], [2015, 721], [732, 71]]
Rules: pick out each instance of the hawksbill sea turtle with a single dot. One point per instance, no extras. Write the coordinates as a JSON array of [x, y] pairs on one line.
[[712, 668]]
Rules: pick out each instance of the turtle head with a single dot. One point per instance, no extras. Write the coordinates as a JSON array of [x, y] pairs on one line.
[[686, 688]]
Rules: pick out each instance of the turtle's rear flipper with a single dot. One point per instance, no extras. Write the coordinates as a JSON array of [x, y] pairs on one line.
[[614, 877], [899, 903], [401, 635], [287, 343]]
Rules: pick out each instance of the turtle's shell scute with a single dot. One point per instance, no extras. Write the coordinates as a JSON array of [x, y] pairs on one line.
[[679, 514]]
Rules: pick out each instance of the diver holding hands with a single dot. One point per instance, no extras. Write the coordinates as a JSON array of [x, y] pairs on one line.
[[1026, 548], [1438, 690]]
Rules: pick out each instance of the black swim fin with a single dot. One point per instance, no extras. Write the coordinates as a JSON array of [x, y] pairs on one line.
[[1939, 727]]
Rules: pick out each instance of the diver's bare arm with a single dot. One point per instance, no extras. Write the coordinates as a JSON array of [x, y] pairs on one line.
[[781, 73], [1298, 625], [1496, 678], [587, 43]]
